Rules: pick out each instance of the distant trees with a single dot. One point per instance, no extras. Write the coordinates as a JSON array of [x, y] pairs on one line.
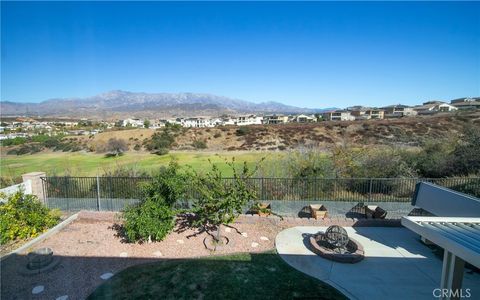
[[146, 123], [163, 140], [457, 156]]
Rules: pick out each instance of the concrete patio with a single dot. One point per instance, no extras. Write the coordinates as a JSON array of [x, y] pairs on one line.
[[396, 265]]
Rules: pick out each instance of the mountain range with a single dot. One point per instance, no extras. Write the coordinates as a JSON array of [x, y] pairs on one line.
[[120, 104]]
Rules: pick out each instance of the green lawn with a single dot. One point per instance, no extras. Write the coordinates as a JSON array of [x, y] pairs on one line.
[[247, 276], [89, 164]]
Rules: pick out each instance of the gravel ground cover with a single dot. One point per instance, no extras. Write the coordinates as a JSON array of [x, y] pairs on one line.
[[89, 249]]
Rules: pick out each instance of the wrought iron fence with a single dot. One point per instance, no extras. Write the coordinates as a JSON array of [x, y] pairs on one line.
[[114, 193]]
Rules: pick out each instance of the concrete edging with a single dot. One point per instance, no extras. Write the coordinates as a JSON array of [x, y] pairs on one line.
[[41, 237]]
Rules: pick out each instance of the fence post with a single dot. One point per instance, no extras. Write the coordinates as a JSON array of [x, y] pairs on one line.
[[98, 194], [370, 191], [263, 191]]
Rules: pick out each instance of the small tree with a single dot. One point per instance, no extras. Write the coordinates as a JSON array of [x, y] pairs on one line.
[[154, 217], [219, 202], [116, 147], [146, 123]]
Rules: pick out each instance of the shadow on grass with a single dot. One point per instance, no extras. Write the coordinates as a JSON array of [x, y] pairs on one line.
[[237, 276], [252, 276]]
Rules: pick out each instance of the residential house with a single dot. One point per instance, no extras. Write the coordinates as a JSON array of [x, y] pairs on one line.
[[366, 113], [432, 107], [399, 110], [275, 119], [132, 123], [338, 115], [248, 120], [466, 103], [197, 122], [303, 119]]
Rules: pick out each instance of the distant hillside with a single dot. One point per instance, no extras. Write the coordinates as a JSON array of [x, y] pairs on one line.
[[118, 104], [407, 132]]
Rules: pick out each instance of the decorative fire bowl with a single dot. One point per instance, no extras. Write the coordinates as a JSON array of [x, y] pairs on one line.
[[334, 244], [40, 260]]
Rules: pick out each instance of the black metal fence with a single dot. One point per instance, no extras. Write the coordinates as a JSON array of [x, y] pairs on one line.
[[114, 193]]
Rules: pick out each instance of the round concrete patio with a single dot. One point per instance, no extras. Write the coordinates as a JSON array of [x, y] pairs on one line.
[[396, 265]]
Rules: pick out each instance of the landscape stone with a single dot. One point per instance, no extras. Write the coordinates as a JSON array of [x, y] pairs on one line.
[[38, 289], [106, 276]]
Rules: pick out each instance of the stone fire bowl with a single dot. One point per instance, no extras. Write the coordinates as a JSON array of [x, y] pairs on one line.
[[355, 250]]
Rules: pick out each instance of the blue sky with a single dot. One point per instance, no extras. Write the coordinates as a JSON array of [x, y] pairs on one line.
[[310, 54]]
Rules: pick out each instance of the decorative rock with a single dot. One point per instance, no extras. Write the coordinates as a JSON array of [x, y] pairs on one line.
[[264, 238], [123, 254], [244, 234], [228, 230], [180, 241], [64, 297], [157, 253], [106, 276], [254, 245], [38, 289], [271, 269]]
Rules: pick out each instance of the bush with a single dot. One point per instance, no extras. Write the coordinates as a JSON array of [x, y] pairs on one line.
[[12, 152], [14, 142], [149, 220], [466, 156], [242, 131], [199, 144], [154, 217], [217, 135], [116, 146], [161, 151], [23, 217], [161, 140]]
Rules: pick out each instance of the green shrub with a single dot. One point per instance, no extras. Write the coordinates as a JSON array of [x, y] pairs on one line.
[[137, 147], [199, 144], [149, 220], [217, 135], [12, 152], [14, 142], [161, 151], [161, 140], [466, 156], [242, 131], [154, 217], [23, 217], [51, 142]]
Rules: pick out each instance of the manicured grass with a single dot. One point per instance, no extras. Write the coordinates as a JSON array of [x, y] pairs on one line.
[[90, 164], [239, 276]]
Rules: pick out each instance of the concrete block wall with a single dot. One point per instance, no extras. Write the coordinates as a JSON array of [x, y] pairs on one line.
[[36, 184]]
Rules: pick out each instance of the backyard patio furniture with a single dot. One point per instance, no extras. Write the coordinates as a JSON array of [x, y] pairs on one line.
[[459, 237], [318, 211], [374, 212], [455, 227]]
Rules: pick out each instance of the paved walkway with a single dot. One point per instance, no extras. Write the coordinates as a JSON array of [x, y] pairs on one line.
[[396, 265]]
